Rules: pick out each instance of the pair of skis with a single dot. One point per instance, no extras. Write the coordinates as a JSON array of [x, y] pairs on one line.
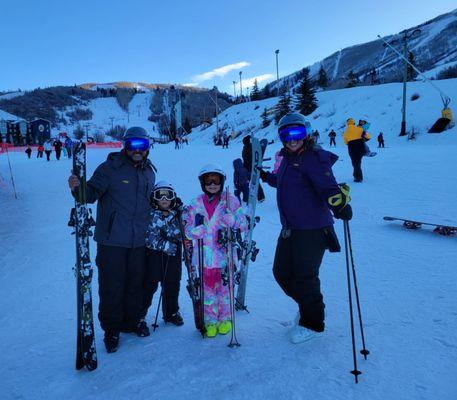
[[248, 247], [82, 221]]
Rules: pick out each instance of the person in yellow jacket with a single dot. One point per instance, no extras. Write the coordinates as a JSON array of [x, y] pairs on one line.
[[355, 138]]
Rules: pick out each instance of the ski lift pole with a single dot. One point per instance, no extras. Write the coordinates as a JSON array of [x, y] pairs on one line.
[[444, 97], [11, 171]]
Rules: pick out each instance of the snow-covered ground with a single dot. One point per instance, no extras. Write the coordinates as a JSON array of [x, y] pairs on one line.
[[407, 282]]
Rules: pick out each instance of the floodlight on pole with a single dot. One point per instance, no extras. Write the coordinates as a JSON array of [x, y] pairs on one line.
[[277, 72], [241, 85]]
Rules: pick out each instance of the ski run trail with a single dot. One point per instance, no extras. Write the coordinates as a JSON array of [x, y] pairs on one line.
[[407, 284]]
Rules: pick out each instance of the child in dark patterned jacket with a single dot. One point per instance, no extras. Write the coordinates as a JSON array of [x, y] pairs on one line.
[[163, 253]]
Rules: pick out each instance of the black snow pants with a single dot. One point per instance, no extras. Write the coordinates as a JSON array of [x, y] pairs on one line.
[[296, 269], [48, 155], [356, 150], [120, 286], [167, 270]]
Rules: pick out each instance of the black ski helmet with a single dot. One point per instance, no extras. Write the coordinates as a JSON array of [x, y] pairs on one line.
[[135, 132]]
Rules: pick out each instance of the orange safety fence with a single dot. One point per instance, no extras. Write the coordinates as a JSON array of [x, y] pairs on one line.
[[18, 149]]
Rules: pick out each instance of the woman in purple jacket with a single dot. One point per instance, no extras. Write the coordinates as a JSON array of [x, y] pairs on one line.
[[306, 191]]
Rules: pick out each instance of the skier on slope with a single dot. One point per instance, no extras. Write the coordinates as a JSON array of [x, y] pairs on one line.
[[163, 253], [122, 186], [48, 149], [332, 136], [306, 192], [355, 138], [205, 217]]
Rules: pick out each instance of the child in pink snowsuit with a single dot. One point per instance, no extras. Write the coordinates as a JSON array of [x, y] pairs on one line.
[[205, 217]]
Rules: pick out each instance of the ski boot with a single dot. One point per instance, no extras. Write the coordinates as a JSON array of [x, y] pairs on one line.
[[300, 334], [111, 341], [174, 319], [224, 327], [211, 330], [141, 329]]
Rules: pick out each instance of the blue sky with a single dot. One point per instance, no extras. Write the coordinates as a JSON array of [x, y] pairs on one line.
[[50, 42]]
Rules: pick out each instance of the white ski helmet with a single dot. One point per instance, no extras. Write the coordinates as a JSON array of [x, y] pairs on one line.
[[169, 193], [211, 169], [164, 185]]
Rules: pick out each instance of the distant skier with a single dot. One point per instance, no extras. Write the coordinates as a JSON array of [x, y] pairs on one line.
[[380, 140], [122, 186], [225, 141], [241, 178], [306, 192], [58, 148], [247, 162], [40, 150], [69, 146], [355, 138], [332, 136], [205, 217], [48, 150], [163, 253], [28, 151], [316, 136]]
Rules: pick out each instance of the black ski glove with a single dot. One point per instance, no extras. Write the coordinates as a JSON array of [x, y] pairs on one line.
[[199, 219], [263, 174], [344, 213]]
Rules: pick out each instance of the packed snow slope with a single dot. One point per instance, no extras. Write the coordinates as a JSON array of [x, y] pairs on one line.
[[380, 105], [406, 282]]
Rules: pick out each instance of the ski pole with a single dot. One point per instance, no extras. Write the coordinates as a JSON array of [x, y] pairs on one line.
[[201, 260], [155, 325], [364, 351], [355, 371], [231, 269], [11, 171]]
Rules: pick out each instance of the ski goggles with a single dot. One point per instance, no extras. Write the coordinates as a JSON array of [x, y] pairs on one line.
[[137, 144], [292, 132], [163, 194], [212, 180]]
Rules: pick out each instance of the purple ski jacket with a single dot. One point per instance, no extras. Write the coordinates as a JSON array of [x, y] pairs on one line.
[[304, 182]]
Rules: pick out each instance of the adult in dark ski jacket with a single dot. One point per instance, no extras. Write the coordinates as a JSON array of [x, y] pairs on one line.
[[306, 192], [121, 186], [58, 148]]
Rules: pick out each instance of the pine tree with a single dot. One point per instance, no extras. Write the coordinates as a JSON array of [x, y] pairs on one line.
[[373, 76], [266, 93], [306, 97], [283, 107], [322, 81], [255, 93], [353, 79], [411, 73], [187, 127], [265, 120]]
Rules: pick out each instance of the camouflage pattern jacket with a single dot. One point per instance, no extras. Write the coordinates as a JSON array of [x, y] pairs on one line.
[[163, 233]]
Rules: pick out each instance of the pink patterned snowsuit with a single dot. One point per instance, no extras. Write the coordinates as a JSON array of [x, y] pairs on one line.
[[216, 295]]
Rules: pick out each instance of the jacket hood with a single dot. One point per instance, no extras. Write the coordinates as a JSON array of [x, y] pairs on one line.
[[350, 121]]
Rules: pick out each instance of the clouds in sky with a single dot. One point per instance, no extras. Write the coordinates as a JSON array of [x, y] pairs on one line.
[[249, 82], [219, 72]]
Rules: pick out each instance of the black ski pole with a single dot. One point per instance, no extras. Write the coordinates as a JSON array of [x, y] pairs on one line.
[[201, 268], [355, 372], [364, 351], [231, 281], [162, 285]]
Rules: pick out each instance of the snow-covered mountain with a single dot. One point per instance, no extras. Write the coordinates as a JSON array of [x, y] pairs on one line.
[[380, 105], [434, 48]]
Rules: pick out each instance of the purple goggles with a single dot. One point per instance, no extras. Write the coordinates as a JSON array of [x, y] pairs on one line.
[[136, 144], [292, 132]]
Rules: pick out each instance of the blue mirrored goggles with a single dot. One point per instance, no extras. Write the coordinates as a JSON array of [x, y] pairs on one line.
[[292, 132], [137, 144]]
